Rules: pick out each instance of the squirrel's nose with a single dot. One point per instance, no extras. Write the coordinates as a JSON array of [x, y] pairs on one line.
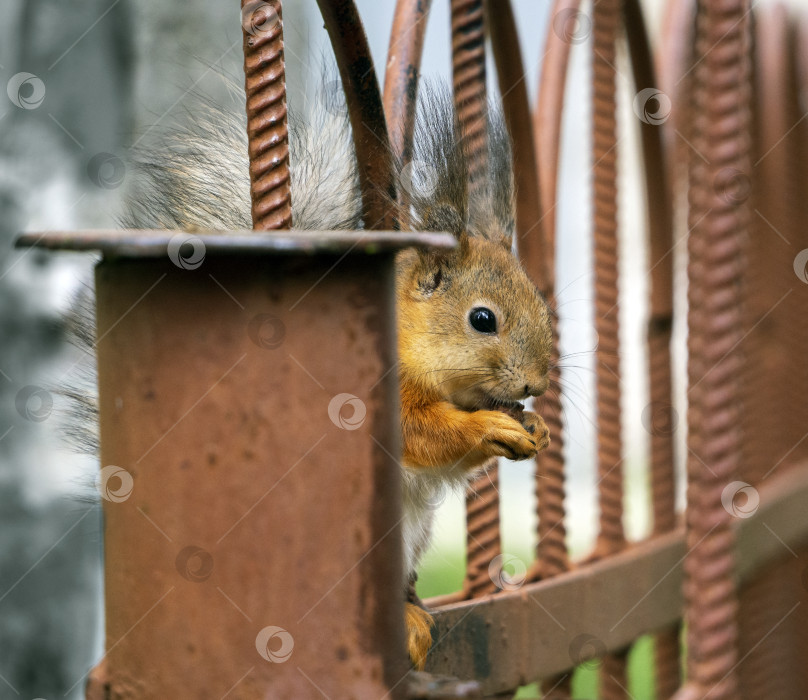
[[537, 388]]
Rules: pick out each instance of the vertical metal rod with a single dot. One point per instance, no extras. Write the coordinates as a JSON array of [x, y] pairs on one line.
[[720, 130], [661, 417], [774, 398], [606, 20], [468, 77], [265, 84], [403, 72], [360, 83], [401, 86], [547, 118], [516, 108]]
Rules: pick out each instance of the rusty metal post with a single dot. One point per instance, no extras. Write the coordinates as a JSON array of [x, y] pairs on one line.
[[249, 429]]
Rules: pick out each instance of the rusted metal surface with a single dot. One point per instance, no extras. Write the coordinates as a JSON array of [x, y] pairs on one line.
[[154, 243], [675, 62], [271, 374], [482, 533], [606, 21], [662, 417], [800, 452], [720, 127], [547, 118], [265, 85], [403, 71], [516, 109], [606, 24], [424, 686], [552, 556], [767, 632], [551, 553], [361, 86], [511, 638], [469, 87]]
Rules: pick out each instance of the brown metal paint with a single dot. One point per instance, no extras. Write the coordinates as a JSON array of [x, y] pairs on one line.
[[231, 450]]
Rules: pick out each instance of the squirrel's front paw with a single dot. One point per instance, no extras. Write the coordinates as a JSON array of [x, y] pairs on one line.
[[535, 425], [418, 623], [506, 437]]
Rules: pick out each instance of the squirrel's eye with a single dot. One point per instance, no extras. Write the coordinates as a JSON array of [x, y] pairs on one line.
[[483, 320]]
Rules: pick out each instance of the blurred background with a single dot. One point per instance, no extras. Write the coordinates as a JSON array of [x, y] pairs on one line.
[[84, 81]]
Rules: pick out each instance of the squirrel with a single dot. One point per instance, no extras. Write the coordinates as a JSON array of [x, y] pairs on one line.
[[474, 334]]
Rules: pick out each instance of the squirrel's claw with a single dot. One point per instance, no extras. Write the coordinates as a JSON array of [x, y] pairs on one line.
[[418, 623], [506, 437], [535, 425]]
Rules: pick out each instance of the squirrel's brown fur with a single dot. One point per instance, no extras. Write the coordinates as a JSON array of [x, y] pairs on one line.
[[459, 386]]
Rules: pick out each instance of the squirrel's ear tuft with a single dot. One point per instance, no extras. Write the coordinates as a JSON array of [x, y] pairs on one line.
[[443, 216], [430, 273]]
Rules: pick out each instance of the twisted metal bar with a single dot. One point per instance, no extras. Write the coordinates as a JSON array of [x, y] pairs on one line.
[[552, 554], [721, 122], [606, 23], [606, 20], [482, 533], [661, 416], [468, 78], [777, 335], [265, 84]]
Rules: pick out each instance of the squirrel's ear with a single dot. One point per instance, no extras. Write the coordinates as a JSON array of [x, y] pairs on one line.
[[430, 272]]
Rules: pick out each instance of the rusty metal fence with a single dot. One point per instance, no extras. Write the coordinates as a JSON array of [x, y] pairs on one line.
[[721, 116]]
